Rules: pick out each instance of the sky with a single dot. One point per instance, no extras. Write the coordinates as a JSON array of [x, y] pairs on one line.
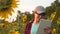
[[29, 5]]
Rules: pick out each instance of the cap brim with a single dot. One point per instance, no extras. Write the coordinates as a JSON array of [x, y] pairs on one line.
[[39, 12]]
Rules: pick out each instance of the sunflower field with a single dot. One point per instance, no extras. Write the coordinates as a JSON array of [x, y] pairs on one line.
[[18, 26], [54, 15]]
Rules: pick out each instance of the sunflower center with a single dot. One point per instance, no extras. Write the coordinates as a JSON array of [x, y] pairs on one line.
[[4, 4]]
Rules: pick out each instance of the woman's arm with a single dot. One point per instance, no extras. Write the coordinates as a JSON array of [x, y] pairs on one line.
[[27, 29]]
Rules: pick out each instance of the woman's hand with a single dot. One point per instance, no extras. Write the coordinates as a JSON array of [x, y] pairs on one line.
[[47, 30]]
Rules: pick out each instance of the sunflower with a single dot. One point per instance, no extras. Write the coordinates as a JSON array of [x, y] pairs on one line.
[[24, 18], [54, 31], [6, 7], [17, 32], [58, 21], [53, 15], [11, 32]]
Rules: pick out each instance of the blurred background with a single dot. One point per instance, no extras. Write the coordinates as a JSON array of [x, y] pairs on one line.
[[15, 14]]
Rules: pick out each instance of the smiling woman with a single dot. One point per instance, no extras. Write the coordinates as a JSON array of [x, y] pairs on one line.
[[6, 7]]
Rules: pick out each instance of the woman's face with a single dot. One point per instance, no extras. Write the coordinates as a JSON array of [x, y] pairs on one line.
[[37, 16]]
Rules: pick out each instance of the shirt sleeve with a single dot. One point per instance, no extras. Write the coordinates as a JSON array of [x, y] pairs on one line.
[[27, 30]]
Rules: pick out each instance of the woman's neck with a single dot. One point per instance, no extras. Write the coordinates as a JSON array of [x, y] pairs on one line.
[[35, 21]]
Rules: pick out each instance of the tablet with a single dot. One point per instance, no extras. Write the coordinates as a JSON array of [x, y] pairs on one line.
[[43, 23]]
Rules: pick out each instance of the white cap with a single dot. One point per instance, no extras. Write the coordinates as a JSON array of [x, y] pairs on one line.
[[40, 9]]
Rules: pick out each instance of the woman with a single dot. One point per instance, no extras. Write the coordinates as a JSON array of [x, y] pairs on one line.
[[32, 27]]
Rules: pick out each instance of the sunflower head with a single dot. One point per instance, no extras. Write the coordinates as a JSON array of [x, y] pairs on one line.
[[6, 7]]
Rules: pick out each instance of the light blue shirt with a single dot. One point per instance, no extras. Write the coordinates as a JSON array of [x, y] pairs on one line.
[[34, 28]]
